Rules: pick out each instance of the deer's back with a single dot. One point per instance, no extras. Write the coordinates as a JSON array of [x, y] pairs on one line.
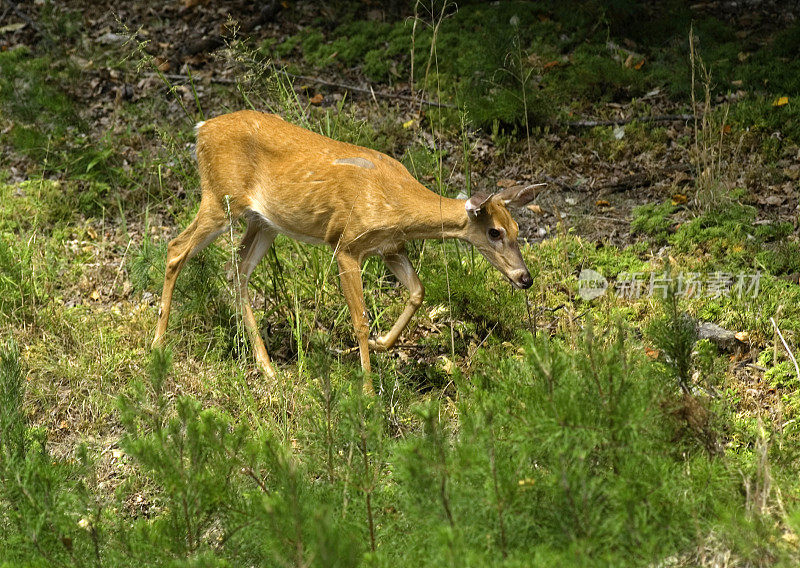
[[301, 183]]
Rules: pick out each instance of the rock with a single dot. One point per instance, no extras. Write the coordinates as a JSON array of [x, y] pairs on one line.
[[109, 38], [719, 336]]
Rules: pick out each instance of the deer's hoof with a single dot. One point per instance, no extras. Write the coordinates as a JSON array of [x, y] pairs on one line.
[[266, 369], [378, 345]]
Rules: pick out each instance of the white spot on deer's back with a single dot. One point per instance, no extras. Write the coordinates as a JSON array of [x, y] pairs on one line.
[[359, 162]]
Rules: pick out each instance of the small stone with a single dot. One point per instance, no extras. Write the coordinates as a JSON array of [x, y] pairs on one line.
[[719, 336]]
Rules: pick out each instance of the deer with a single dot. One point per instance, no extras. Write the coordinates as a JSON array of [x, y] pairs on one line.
[[282, 178]]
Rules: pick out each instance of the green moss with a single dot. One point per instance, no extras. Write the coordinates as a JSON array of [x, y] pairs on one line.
[[782, 257], [491, 60], [757, 113], [728, 234], [781, 375], [653, 220], [610, 260]]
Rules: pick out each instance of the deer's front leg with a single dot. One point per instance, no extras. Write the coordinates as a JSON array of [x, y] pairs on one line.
[[353, 290], [402, 268]]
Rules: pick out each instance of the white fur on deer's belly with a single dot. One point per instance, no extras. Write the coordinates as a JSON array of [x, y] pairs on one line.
[[257, 214]]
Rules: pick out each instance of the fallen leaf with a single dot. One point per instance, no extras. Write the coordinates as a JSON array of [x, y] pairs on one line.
[[743, 336], [780, 101], [771, 200], [12, 27], [679, 199], [726, 129], [316, 99], [92, 233], [639, 65], [95, 295], [682, 177], [550, 65], [408, 124], [629, 61], [162, 65], [652, 353], [437, 312], [447, 365], [602, 203], [506, 182], [535, 209]]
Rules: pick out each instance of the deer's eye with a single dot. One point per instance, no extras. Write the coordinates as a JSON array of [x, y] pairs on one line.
[[494, 234]]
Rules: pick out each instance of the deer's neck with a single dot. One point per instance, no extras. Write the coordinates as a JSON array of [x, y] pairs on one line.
[[437, 217]]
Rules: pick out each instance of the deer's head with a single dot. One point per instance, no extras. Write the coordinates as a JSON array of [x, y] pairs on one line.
[[493, 231]]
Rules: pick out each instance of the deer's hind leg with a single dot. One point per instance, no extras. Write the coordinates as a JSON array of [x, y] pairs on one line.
[[207, 225], [255, 244]]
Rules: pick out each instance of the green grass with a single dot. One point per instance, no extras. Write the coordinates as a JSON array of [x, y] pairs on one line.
[[99, 365], [485, 445], [551, 463]]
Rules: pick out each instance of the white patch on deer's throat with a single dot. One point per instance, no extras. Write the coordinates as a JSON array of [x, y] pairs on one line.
[[360, 162]]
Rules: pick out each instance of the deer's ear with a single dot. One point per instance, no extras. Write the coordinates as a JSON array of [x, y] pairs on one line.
[[476, 205], [518, 196]]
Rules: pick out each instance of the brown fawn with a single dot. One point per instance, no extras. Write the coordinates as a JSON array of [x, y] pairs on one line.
[[285, 179]]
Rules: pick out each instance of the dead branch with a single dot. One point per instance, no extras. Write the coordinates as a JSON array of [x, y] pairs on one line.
[[25, 18], [309, 79], [559, 183], [369, 91], [621, 121], [210, 43]]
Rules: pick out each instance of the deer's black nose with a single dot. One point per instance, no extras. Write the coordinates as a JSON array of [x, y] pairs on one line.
[[525, 281]]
